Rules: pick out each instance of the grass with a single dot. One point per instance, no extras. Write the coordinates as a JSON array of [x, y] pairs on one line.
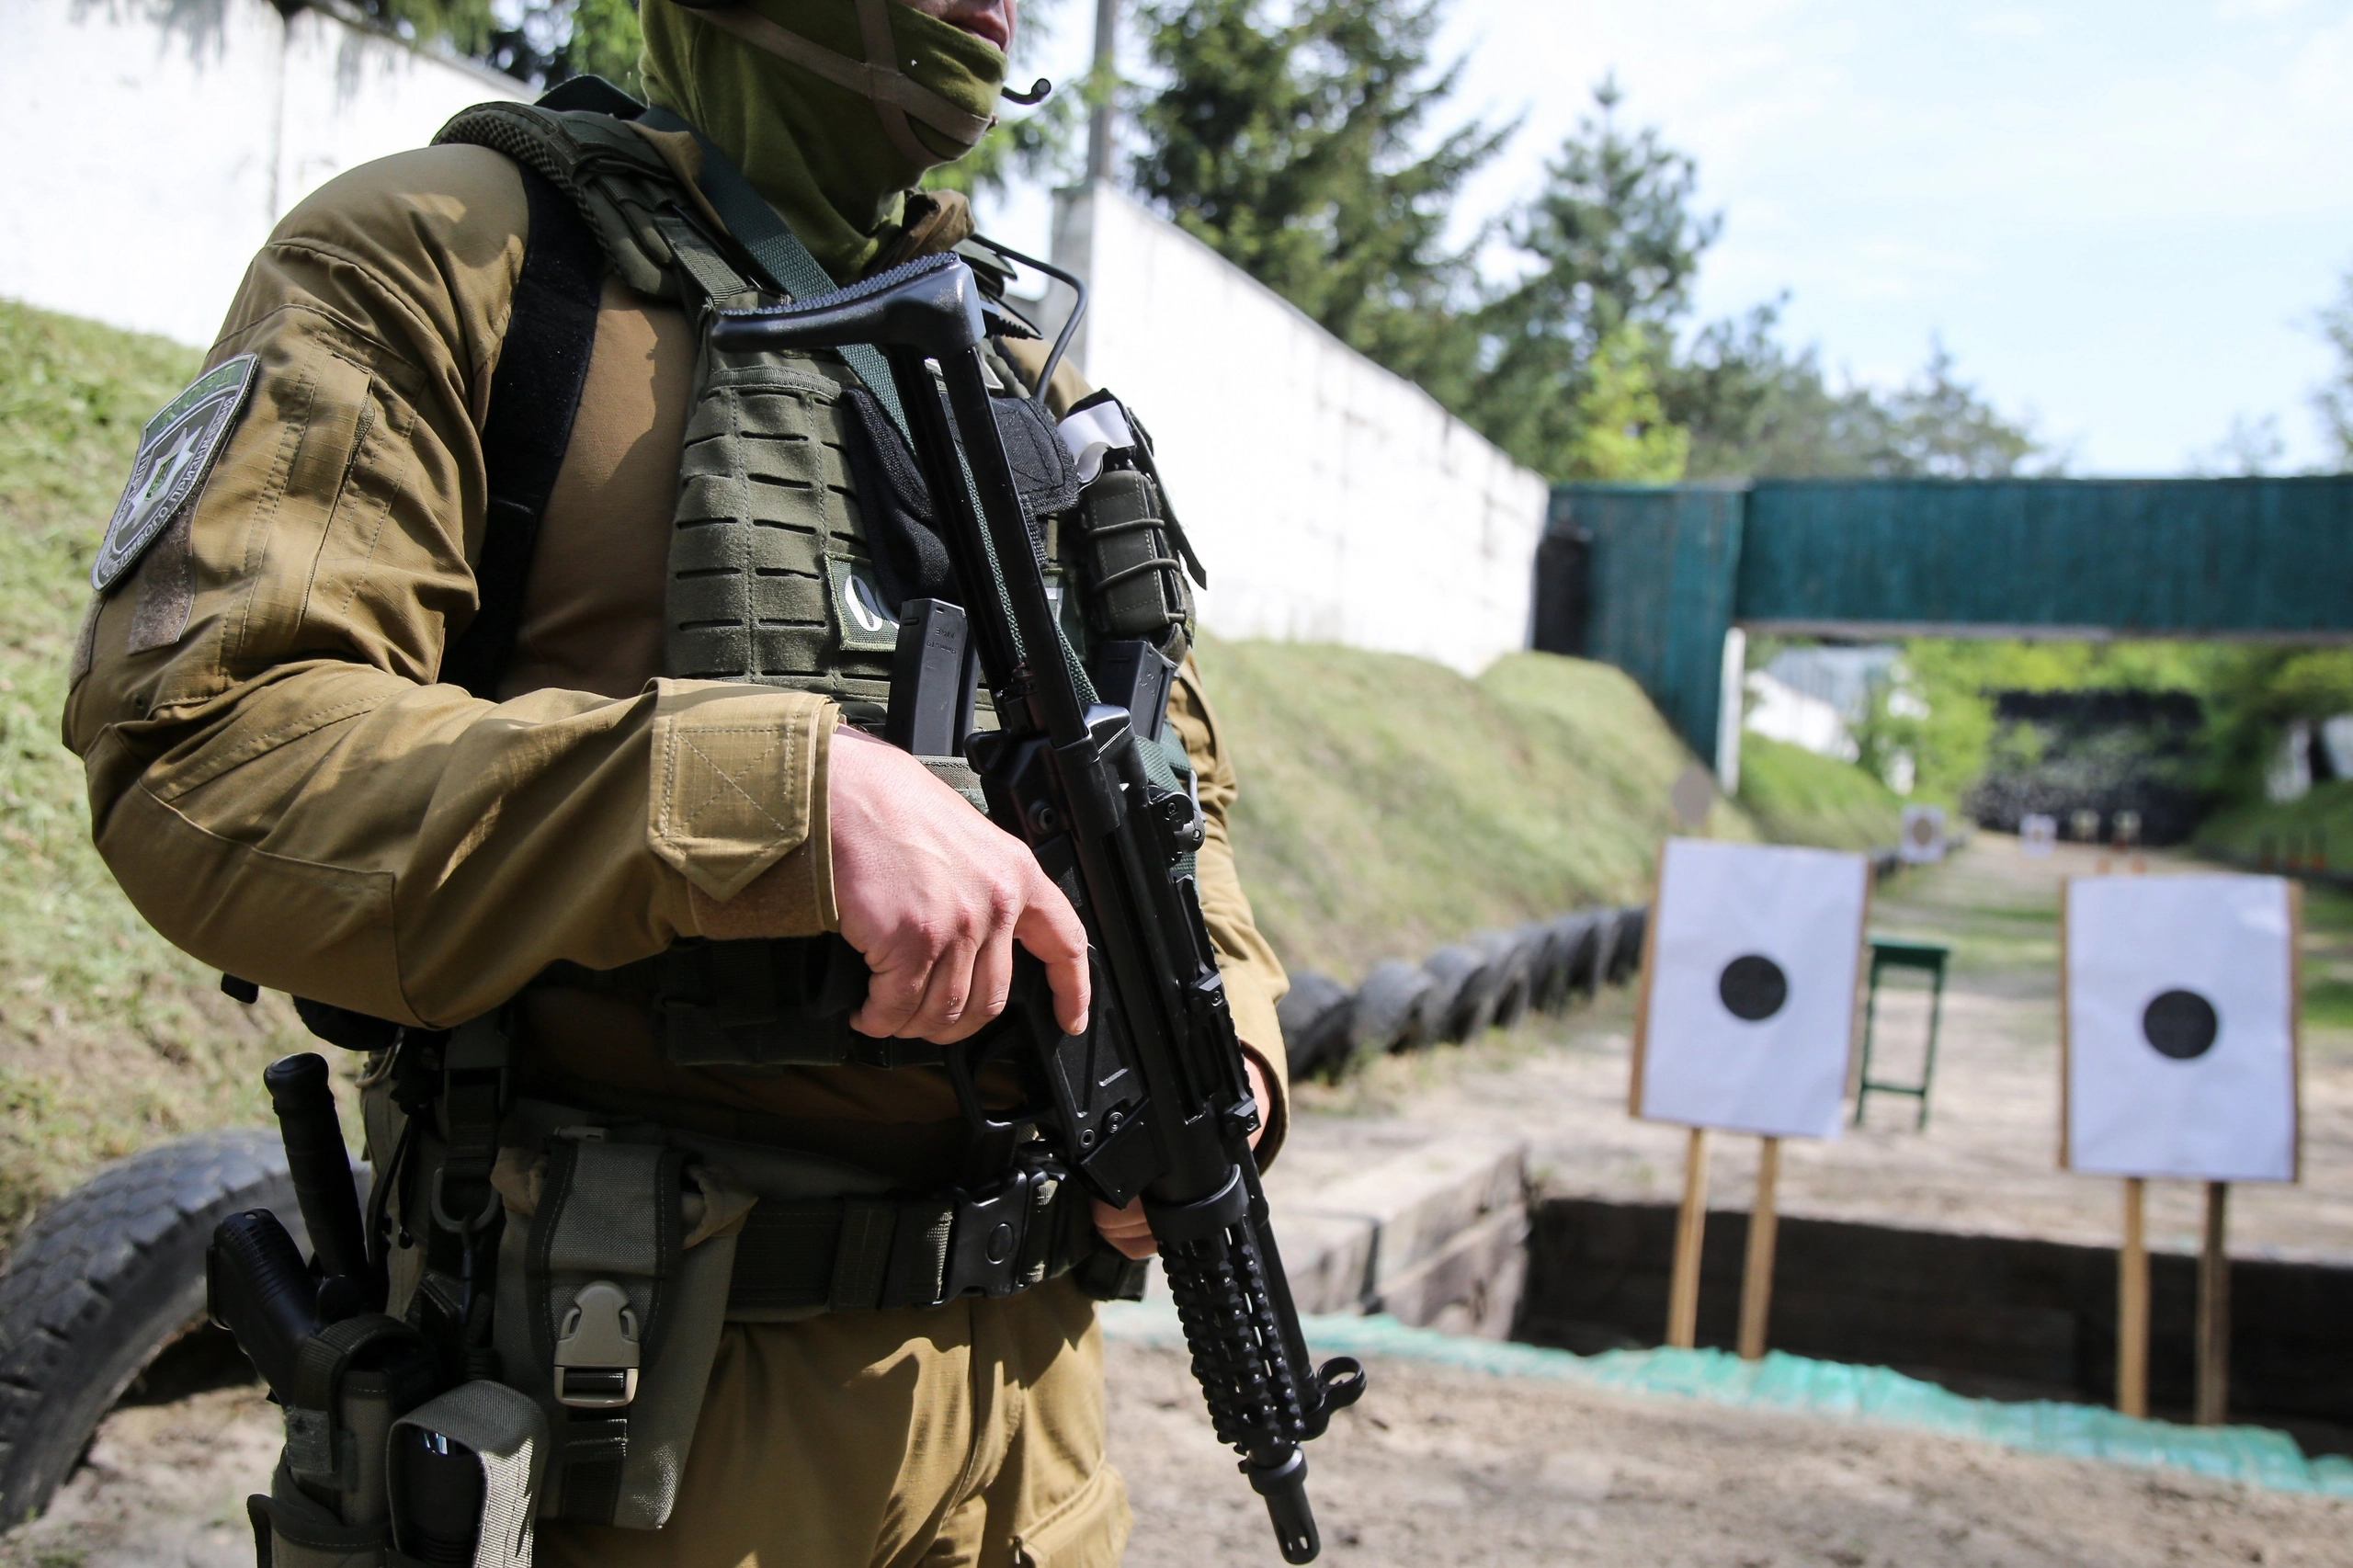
[[1797, 797], [1389, 805], [110, 1040], [2319, 826]]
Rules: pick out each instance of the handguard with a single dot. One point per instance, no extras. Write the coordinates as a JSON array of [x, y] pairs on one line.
[[1153, 1097]]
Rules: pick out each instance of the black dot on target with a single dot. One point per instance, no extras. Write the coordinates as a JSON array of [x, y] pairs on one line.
[[1753, 987], [2180, 1023]]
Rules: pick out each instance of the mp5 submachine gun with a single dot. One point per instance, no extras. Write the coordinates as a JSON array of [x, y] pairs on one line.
[[1153, 1097]]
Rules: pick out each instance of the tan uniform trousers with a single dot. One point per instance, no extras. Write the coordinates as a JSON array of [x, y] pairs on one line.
[[967, 1435]]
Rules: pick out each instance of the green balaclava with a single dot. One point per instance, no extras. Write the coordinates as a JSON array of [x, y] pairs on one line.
[[833, 109]]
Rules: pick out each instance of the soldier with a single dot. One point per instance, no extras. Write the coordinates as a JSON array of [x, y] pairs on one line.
[[483, 657]]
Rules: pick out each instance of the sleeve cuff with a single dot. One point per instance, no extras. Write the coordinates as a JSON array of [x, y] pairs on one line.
[[1262, 1039], [737, 803]]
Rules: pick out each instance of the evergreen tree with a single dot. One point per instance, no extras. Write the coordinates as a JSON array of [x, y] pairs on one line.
[[538, 41], [2334, 402], [1288, 142], [1756, 410], [1615, 243]]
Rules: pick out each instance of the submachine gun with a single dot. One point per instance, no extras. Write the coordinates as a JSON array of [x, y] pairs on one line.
[[1153, 1097]]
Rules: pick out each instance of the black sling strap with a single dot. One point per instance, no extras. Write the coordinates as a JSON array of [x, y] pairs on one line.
[[533, 397]]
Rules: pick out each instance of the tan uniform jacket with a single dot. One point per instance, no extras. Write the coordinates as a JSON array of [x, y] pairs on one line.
[[284, 790]]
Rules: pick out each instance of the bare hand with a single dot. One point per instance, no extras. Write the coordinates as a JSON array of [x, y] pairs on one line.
[[934, 896], [1127, 1229]]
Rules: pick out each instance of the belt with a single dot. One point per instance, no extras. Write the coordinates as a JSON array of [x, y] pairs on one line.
[[864, 1253], [782, 1002]]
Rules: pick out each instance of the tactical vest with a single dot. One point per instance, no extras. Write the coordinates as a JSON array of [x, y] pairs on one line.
[[586, 1259]]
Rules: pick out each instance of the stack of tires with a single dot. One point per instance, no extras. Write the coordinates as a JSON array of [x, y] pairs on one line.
[[1489, 981]]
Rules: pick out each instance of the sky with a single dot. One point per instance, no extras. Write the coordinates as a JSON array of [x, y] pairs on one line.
[[2120, 218]]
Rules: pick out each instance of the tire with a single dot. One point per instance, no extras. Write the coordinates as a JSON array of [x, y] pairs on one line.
[[106, 1279], [1315, 1018], [1388, 1008]]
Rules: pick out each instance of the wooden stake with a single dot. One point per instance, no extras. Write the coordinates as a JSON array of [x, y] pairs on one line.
[[2214, 1310], [2132, 1303], [1683, 1285], [1756, 1275]]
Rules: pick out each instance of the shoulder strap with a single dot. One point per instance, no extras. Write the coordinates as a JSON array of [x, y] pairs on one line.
[[533, 396], [780, 252]]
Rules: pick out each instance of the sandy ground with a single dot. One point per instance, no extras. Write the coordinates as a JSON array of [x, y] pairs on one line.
[[1440, 1467], [1987, 1160]]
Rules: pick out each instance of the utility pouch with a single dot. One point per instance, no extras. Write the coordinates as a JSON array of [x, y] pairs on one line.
[[352, 1379], [610, 1302], [1128, 543], [464, 1471], [293, 1529], [1135, 586]]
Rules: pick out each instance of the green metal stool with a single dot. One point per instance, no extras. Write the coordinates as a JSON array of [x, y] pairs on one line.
[[1889, 953]]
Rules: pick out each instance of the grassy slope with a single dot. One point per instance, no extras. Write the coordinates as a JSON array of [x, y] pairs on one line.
[[1797, 797], [109, 1039], [1389, 805]]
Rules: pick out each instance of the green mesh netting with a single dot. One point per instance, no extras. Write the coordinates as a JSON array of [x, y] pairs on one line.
[[2253, 1454]]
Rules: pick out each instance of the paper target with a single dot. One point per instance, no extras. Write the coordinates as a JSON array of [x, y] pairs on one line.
[[1748, 988], [2180, 1027], [1922, 840]]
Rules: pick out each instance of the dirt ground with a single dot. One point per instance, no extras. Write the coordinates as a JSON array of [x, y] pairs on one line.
[[1444, 1467], [1439, 1467], [1987, 1160]]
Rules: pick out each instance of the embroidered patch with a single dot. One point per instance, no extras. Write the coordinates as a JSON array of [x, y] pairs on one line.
[[865, 627], [175, 450]]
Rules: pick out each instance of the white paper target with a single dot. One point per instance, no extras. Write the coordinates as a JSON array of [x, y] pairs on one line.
[[2181, 1049], [1922, 840], [1749, 994]]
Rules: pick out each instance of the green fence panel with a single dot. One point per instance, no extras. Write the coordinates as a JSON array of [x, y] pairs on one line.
[[1671, 568], [1664, 563], [2267, 557]]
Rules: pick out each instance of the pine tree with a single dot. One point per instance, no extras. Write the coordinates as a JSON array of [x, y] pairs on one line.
[[1288, 144], [1615, 243], [2334, 402]]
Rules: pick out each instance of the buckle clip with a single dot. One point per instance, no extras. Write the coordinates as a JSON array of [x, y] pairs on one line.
[[987, 1250], [596, 1351]]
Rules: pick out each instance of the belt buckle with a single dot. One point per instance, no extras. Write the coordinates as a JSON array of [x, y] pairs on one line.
[[985, 1252]]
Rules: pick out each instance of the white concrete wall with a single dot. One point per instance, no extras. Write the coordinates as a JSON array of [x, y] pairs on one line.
[[1330, 500], [156, 142]]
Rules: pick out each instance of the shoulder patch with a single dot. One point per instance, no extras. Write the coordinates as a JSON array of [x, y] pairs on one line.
[[175, 451]]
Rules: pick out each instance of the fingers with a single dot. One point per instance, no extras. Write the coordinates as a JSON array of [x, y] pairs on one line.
[[894, 994], [1050, 927], [1126, 1229], [934, 896], [992, 983]]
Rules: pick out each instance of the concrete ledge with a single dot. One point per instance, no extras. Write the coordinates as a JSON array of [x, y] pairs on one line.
[[1434, 1232], [1472, 1285]]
